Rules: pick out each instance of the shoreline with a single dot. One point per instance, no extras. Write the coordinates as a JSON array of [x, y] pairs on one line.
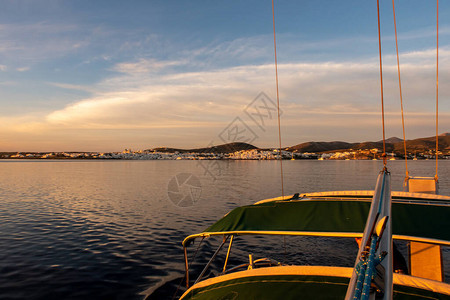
[[223, 159]]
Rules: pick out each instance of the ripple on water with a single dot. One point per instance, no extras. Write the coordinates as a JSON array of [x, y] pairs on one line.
[[106, 230]]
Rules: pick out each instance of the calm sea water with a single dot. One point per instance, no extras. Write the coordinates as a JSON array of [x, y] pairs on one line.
[[113, 229]]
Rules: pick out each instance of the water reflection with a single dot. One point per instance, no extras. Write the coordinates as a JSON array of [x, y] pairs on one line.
[[107, 229]]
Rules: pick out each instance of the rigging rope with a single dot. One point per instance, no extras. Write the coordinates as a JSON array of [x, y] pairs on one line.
[[401, 97], [185, 275], [278, 101], [437, 86], [381, 81]]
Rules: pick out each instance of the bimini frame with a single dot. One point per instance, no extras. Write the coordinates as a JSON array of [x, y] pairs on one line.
[[427, 204]]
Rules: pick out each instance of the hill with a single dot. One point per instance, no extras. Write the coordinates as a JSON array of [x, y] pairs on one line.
[[320, 146], [392, 140], [393, 144], [424, 144], [373, 145], [224, 148]]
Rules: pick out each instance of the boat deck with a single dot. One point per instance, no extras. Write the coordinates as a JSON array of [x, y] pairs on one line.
[[311, 282]]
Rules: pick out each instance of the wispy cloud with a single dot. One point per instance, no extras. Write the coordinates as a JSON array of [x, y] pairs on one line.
[[423, 33], [8, 83], [23, 69], [35, 42], [157, 100], [73, 87], [145, 66], [211, 97]]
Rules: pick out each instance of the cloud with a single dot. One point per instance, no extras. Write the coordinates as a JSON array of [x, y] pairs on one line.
[[415, 59], [133, 100], [72, 87], [38, 41], [23, 69], [3, 68], [145, 66], [168, 102], [8, 83], [423, 33]]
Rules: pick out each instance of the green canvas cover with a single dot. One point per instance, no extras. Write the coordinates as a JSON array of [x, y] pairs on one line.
[[274, 287], [425, 222], [293, 287]]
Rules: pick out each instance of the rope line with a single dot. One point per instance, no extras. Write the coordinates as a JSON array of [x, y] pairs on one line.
[[437, 86], [278, 100], [401, 95], [381, 81], [185, 275]]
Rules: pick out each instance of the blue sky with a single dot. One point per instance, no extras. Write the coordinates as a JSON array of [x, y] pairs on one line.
[[108, 75]]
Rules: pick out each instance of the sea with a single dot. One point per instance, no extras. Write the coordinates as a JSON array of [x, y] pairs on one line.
[[112, 229]]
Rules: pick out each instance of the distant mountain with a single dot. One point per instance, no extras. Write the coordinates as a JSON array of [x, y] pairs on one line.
[[320, 146], [424, 144], [393, 144], [224, 148], [392, 140], [373, 145]]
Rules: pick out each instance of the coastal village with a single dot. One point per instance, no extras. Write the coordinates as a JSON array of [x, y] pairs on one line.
[[252, 154], [422, 148]]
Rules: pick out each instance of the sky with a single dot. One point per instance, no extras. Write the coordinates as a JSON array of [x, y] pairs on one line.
[[79, 75]]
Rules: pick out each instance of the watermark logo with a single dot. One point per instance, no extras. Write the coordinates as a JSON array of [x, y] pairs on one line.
[[262, 108], [237, 131], [212, 168], [184, 190], [260, 112]]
